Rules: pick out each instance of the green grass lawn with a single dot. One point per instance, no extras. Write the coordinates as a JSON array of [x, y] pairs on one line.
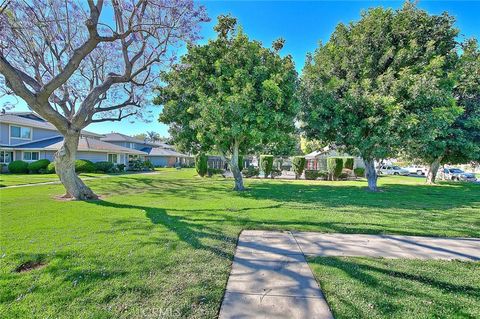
[[23, 179], [163, 244], [399, 288]]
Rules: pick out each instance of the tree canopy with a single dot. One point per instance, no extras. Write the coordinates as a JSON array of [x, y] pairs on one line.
[[457, 140], [370, 85], [229, 95], [74, 69]]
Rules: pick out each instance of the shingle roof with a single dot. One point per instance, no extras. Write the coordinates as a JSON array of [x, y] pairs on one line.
[[85, 144], [119, 137], [40, 143], [28, 119], [158, 151]]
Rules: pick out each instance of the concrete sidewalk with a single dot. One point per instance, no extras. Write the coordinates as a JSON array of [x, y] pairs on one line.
[[388, 246], [83, 179], [270, 277]]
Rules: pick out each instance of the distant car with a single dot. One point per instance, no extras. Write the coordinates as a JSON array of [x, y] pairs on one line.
[[456, 174], [417, 169], [392, 170]]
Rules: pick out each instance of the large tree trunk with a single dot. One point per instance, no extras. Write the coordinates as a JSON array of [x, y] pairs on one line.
[[237, 174], [433, 170], [65, 168], [371, 175]]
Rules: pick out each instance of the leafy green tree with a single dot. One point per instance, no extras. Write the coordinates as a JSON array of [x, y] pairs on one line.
[[457, 140], [229, 95], [374, 80], [140, 136], [308, 146]]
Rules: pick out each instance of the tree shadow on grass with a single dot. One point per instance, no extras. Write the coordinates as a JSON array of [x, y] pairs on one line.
[[381, 279], [413, 197], [188, 231]]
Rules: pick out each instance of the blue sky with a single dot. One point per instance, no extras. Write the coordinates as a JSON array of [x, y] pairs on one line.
[[302, 24]]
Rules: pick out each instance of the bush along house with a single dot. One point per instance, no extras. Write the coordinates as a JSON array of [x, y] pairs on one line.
[[28, 137]]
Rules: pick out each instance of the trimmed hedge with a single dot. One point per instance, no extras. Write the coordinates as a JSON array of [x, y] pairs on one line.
[[18, 167], [348, 163], [214, 171], [84, 166], [250, 171], [311, 174], [104, 167], [35, 167], [201, 164], [148, 165], [50, 168], [359, 172], [298, 164], [334, 166], [323, 175], [266, 164]]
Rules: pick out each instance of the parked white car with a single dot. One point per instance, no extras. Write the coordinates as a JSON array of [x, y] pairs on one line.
[[417, 169], [456, 174], [392, 170]]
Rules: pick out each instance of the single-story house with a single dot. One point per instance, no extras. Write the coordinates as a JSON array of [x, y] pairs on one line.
[[317, 160], [27, 136], [160, 154]]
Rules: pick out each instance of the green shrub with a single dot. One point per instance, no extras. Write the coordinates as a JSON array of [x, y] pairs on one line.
[[334, 167], [240, 162], [276, 172], [147, 165], [343, 175], [266, 164], [35, 167], [298, 164], [84, 166], [135, 165], [348, 162], [311, 174], [250, 171], [359, 172], [121, 167], [322, 175], [104, 167], [201, 164], [50, 168], [18, 167], [214, 171]]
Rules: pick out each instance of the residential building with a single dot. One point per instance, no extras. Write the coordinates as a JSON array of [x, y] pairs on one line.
[[27, 136], [317, 160], [160, 154]]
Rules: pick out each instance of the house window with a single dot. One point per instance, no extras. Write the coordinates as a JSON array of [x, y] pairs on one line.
[[113, 158], [31, 156], [21, 132], [6, 157]]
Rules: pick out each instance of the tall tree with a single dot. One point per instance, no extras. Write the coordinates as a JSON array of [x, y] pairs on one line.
[[153, 136], [457, 140], [230, 95], [365, 88], [140, 136], [75, 63]]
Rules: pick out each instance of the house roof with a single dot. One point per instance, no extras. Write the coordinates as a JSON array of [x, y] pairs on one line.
[[119, 137], [158, 151], [85, 144], [33, 120]]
